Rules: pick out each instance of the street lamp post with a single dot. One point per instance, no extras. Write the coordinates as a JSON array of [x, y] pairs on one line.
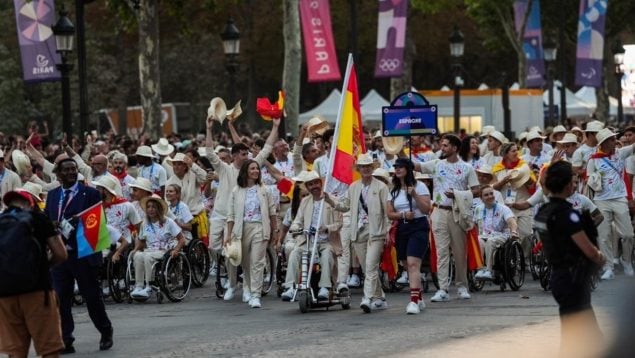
[[618, 59], [64, 33], [231, 47], [457, 45], [550, 51]]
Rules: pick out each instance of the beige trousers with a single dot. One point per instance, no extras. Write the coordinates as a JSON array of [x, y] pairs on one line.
[[327, 263], [449, 235], [344, 261], [489, 246], [616, 212], [254, 249], [143, 262], [369, 253]]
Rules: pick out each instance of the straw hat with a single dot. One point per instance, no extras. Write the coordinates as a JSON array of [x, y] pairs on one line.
[[179, 157], [568, 138], [163, 147], [604, 134], [217, 109], [21, 194], [381, 173], [306, 176], [235, 112], [233, 252], [109, 183], [557, 129], [518, 177], [21, 161], [377, 135], [156, 199], [487, 130], [594, 126], [498, 136], [577, 129], [141, 183], [522, 136], [364, 159], [392, 145], [317, 125], [484, 169], [421, 176], [536, 129], [534, 135], [32, 188], [144, 151]]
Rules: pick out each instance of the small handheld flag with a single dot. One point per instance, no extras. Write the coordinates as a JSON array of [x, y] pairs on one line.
[[92, 233], [268, 110]]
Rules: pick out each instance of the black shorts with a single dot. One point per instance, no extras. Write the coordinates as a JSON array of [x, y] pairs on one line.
[[572, 296], [412, 238]]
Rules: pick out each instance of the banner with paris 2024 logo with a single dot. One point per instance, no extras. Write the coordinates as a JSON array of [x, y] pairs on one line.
[[391, 37], [590, 51]]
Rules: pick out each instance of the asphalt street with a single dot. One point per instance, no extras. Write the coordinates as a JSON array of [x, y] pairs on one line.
[[521, 323]]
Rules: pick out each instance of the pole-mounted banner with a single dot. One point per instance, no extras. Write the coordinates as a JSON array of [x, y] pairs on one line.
[[590, 51], [532, 41], [321, 58], [391, 37]]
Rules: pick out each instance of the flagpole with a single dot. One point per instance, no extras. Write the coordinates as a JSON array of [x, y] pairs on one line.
[[332, 150]]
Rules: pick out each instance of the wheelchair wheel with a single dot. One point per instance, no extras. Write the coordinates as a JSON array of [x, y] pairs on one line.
[[474, 284], [514, 265], [535, 259], [176, 277], [303, 301], [545, 276], [268, 274], [116, 273], [199, 259], [221, 276]]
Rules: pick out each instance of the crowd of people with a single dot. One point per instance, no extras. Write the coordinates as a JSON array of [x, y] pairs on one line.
[[224, 188]]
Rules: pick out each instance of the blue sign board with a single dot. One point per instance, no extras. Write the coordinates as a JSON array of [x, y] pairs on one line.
[[409, 114]]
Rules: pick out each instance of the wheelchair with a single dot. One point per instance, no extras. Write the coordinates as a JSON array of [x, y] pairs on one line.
[[200, 262], [309, 281], [116, 276], [509, 265], [222, 276], [172, 278]]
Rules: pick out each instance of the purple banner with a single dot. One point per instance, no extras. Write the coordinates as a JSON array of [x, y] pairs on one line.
[[532, 41], [391, 37], [590, 51], [37, 44]]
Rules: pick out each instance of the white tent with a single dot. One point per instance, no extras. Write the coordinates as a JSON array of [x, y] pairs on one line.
[[327, 109], [371, 106], [587, 94], [576, 107]]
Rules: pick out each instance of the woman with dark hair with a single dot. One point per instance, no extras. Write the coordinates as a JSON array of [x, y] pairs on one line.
[[251, 220], [469, 151], [409, 203]]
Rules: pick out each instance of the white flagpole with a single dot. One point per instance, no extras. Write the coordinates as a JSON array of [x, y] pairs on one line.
[[336, 137]]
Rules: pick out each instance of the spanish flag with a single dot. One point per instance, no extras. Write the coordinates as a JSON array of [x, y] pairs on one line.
[[349, 136], [92, 234]]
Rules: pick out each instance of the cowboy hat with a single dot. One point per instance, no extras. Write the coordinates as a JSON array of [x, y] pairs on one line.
[[535, 129], [179, 157], [377, 135], [484, 169], [364, 159], [522, 136], [34, 189], [217, 109], [534, 135], [144, 151], [141, 183], [568, 138], [557, 129], [235, 112], [163, 147], [519, 176], [317, 125], [109, 183], [392, 145], [156, 199], [603, 135], [594, 126], [233, 252], [306, 176], [21, 161], [381, 173], [498, 136], [487, 130], [577, 129]]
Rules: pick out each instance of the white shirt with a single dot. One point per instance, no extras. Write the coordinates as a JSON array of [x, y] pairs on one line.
[[579, 201], [538, 160], [334, 186], [493, 221], [159, 236], [182, 215], [448, 176], [252, 206], [400, 202], [156, 174], [611, 170], [121, 216], [315, 215], [581, 155]]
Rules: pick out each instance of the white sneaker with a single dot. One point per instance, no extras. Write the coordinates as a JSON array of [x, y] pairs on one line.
[[440, 296], [288, 294], [379, 304], [463, 293], [323, 293], [136, 292], [353, 281], [224, 282], [484, 274], [628, 268], [148, 290], [213, 270], [141, 293], [267, 279], [412, 308], [365, 305], [105, 291], [246, 296], [403, 280], [229, 294], [255, 302], [341, 286], [608, 275]]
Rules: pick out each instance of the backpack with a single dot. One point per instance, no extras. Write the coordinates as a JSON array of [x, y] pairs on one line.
[[22, 257]]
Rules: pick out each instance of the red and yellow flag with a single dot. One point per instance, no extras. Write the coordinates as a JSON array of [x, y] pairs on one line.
[[349, 136]]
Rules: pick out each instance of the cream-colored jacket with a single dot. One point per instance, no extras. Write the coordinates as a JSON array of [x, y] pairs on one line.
[[331, 219], [190, 184], [236, 210], [378, 222]]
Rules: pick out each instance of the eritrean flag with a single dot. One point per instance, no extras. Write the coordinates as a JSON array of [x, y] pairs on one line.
[[92, 234], [349, 136]]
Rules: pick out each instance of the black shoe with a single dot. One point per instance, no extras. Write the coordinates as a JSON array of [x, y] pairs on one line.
[[68, 349], [106, 340]]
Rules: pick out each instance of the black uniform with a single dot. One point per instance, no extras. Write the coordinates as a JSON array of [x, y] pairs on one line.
[[571, 271]]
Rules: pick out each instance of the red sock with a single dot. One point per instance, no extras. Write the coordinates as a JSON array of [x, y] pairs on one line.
[[415, 295]]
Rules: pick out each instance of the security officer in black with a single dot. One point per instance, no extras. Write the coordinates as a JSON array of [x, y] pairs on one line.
[[569, 241]]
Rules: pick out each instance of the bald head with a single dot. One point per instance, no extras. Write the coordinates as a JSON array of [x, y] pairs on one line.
[[99, 164]]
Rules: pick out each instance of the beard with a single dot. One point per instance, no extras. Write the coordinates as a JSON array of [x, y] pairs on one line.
[[119, 170], [443, 156]]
